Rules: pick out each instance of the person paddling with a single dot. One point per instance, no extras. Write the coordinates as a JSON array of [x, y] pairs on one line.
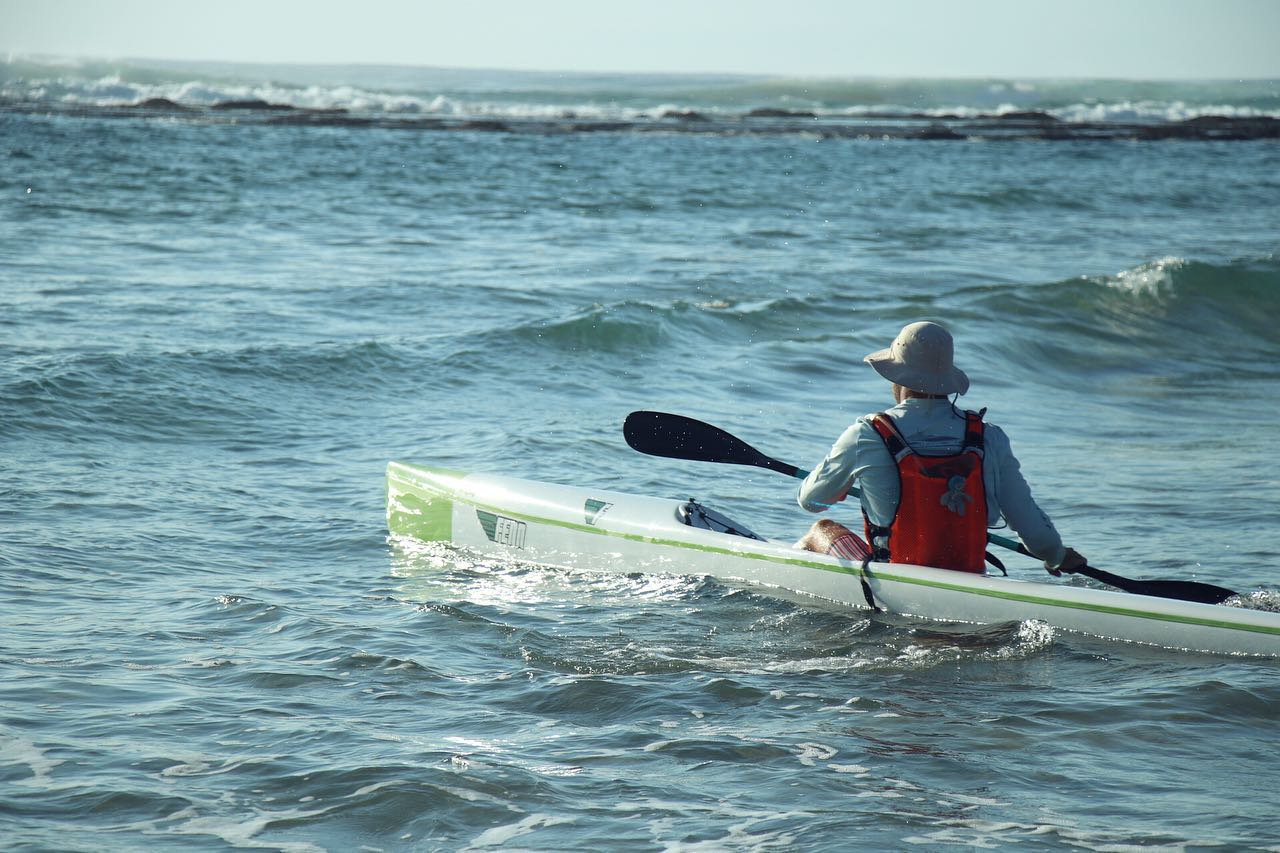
[[933, 478]]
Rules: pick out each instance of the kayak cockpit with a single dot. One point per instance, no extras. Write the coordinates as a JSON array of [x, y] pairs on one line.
[[696, 515]]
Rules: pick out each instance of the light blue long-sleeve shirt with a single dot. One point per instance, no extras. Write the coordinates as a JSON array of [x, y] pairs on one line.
[[930, 426]]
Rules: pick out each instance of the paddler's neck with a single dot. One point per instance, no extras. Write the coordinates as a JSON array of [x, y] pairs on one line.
[[900, 393]]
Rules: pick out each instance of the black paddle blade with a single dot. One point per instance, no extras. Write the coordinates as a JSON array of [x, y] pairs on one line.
[[679, 437], [1204, 593]]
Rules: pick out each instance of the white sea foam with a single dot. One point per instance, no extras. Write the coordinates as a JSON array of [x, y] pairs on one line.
[[1150, 279], [812, 753], [499, 836], [241, 833], [1261, 600], [18, 750], [856, 769], [1153, 110], [377, 786]]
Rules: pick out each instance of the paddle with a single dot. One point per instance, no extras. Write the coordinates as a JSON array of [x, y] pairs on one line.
[[680, 437]]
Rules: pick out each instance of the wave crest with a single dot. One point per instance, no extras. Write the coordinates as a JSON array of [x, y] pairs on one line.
[[1173, 320]]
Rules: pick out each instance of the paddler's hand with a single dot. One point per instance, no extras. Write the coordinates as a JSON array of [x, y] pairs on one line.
[[1071, 561]]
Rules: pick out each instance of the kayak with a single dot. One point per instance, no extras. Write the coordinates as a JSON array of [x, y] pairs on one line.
[[603, 530]]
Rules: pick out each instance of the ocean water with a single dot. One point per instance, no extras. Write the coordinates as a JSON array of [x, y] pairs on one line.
[[215, 334]]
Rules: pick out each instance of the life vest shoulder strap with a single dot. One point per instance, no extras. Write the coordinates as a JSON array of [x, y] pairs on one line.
[[974, 434], [974, 431], [893, 440]]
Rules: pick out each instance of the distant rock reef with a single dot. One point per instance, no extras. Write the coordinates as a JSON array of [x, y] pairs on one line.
[[757, 122]]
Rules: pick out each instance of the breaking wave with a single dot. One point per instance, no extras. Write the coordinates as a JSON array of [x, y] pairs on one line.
[[456, 93], [1172, 319]]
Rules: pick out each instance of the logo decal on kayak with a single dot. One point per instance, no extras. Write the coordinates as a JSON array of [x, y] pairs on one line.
[[594, 509], [504, 531]]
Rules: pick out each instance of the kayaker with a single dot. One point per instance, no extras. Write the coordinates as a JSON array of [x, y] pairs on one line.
[[933, 478]]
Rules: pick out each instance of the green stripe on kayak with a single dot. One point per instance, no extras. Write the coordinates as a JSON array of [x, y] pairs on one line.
[[852, 569]]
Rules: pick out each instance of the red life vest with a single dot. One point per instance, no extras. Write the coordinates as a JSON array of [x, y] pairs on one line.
[[941, 517]]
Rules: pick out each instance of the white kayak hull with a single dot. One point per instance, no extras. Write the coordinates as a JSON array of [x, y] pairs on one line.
[[603, 530]]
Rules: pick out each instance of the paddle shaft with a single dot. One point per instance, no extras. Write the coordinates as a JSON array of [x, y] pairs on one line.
[[680, 437]]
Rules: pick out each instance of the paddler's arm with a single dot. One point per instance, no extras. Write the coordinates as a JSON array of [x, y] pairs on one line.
[[858, 455], [1015, 503], [828, 483]]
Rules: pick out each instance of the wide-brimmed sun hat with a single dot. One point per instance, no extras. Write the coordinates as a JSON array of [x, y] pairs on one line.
[[921, 358]]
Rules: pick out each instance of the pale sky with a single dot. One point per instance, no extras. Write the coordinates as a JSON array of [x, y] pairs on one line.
[[1151, 39]]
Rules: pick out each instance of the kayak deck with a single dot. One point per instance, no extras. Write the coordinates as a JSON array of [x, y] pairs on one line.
[[603, 530]]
